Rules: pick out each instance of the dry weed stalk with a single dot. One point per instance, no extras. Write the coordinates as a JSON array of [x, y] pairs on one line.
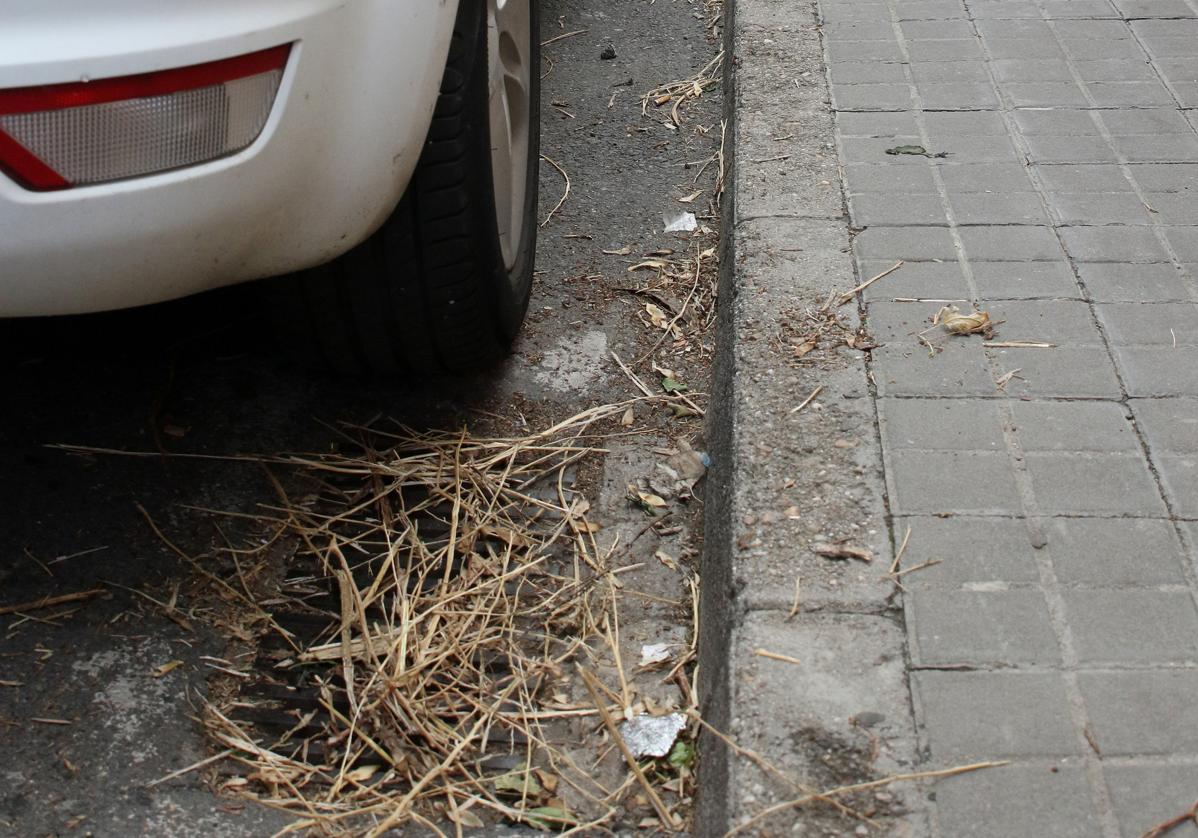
[[464, 581]]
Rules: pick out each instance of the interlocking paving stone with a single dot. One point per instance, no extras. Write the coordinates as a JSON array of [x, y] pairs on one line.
[[989, 715], [1109, 626], [985, 628], [1145, 795], [1143, 551], [1143, 712], [1042, 799]]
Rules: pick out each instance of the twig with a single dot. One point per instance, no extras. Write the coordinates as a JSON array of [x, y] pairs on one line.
[[794, 606], [806, 401], [51, 601], [681, 311], [873, 784], [928, 563], [848, 295], [766, 653], [1191, 815], [898, 556], [563, 36], [1018, 344], [206, 761], [565, 194]]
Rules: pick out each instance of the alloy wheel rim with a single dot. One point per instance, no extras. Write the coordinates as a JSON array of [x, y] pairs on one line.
[[509, 50]]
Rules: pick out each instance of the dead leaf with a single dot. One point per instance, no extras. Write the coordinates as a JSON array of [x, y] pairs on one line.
[[691, 197], [666, 559], [658, 317], [627, 419], [804, 347], [623, 251], [951, 318], [169, 666], [842, 551]]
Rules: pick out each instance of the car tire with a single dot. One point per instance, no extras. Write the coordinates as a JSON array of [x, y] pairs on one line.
[[443, 285]]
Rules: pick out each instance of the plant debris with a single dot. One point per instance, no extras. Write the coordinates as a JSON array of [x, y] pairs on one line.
[[468, 583], [917, 150], [841, 550], [952, 321]]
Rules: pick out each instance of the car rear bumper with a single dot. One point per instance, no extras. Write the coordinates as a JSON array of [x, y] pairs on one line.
[[331, 163]]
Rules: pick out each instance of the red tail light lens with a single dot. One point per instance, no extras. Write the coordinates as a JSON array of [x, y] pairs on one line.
[[63, 135]]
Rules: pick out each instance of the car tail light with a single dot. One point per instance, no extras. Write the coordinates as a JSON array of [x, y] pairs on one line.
[[58, 136]]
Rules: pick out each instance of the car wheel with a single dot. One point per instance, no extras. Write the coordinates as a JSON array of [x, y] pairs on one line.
[[443, 285]]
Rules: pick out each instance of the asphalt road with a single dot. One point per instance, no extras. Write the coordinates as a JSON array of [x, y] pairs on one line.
[[84, 723]]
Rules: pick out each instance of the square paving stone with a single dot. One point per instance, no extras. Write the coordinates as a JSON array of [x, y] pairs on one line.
[[1152, 712], [1146, 795], [1169, 425], [1112, 94], [1098, 208], [981, 124], [1060, 372], [1179, 473], [952, 481], [842, 50], [964, 148], [1109, 627], [930, 10], [871, 97], [1043, 94], [1085, 177], [1115, 551], [941, 72], [1004, 9], [1114, 244], [1115, 282], [992, 628], [992, 208], [1159, 371], [876, 125], [1145, 122], [915, 280], [908, 243], [1139, 324], [1010, 244], [1068, 123], [1017, 800], [1024, 280], [935, 29], [1064, 322], [1173, 207], [1172, 147], [1154, 8], [960, 369], [866, 179], [897, 209], [994, 29], [963, 49], [860, 30], [873, 150], [1184, 240], [965, 96], [864, 72], [1032, 70], [897, 323], [986, 177], [1078, 9], [1017, 48], [1080, 48], [991, 715], [1093, 483], [975, 553], [1056, 149], [1115, 69], [942, 424], [1166, 177], [1074, 426]]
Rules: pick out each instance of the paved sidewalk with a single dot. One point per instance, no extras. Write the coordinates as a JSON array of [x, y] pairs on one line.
[[1058, 487]]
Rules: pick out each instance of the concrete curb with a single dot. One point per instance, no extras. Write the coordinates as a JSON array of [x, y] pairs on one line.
[[843, 714]]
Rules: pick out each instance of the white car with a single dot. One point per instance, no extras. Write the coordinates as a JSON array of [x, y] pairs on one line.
[[378, 156]]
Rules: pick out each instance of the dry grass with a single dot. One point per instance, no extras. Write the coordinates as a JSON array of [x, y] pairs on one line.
[[469, 586]]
